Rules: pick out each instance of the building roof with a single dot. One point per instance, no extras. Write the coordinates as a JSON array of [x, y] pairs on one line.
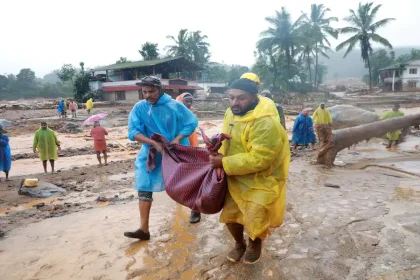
[[135, 87], [169, 64], [394, 67]]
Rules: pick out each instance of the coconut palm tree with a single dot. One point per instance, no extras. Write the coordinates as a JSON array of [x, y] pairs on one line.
[[319, 27], [198, 47], [363, 26], [181, 44], [282, 36]]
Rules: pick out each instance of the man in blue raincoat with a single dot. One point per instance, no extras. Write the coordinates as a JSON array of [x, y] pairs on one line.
[[157, 113], [61, 108]]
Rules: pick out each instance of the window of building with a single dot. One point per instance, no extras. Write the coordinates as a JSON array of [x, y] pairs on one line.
[[412, 84], [413, 71], [119, 95]]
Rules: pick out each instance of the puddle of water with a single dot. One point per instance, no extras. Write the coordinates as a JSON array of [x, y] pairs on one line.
[[28, 205]]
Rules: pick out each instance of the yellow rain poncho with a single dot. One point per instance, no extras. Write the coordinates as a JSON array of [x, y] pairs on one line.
[[89, 104], [46, 143], [395, 135], [322, 116], [256, 161]]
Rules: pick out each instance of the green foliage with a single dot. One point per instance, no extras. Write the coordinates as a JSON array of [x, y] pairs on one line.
[[81, 86], [287, 50], [149, 51], [191, 45], [364, 28], [236, 72], [122, 60], [66, 73], [216, 74], [25, 85], [95, 95]]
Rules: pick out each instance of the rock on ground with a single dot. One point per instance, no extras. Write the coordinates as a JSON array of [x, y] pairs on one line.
[[43, 190], [348, 116]]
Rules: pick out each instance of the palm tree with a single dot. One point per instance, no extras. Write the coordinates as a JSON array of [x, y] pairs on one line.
[[181, 44], [319, 29], [198, 47], [282, 36], [363, 26]]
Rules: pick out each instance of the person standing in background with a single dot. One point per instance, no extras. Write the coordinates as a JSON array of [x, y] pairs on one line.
[[89, 105], [303, 130], [5, 153], [73, 109], [323, 120], [46, 142], [267, 93], [99, 141], [187, 100], [393, 136]]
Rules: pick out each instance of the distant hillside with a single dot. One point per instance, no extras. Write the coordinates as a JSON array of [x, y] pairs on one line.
[[352, 65]]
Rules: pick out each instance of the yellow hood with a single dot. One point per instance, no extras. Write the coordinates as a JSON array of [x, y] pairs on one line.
[[265, 107]]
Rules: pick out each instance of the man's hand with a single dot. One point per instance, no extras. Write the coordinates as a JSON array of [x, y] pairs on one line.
[[34, 150], [159, 147], [59, 148], [177, 139], [216, 161]]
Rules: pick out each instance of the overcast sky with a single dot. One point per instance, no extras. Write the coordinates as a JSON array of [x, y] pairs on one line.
[[45, 34]]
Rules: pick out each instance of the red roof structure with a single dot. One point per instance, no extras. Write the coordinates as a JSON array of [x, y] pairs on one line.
[[135, 87]]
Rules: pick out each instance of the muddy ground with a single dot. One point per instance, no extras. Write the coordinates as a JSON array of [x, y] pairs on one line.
[[359, 220]]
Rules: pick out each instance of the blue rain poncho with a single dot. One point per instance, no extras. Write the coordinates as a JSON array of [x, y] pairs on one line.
[[60, 107], [5, 153], [168, 118], [303, 130]]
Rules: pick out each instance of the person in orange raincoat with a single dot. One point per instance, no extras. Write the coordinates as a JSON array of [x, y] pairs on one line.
[[187, 99]]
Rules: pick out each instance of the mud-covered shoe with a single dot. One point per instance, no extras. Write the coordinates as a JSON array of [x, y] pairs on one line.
[[139, 234], [253, 251], [237, 253], [195, 217]]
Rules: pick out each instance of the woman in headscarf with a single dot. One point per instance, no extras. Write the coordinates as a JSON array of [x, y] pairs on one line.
[[187, 99], [303, 130], [5, 153]]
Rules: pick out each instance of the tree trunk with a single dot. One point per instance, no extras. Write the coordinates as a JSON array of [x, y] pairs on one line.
[[309, 69], [370, 73], [316, 67], [347, 137]]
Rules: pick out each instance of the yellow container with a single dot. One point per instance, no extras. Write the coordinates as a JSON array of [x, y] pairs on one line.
[[30, 183]]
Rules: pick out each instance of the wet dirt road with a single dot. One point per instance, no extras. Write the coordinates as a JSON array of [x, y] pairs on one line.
[[367, 228]]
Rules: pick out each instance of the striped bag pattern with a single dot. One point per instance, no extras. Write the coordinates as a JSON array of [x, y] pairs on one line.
[[188, 175]]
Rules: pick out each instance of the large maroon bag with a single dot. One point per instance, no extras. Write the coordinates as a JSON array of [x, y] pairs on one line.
[[188, 175]]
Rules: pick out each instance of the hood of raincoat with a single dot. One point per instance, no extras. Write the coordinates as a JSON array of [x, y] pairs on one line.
[[264, 108], [163, 100]]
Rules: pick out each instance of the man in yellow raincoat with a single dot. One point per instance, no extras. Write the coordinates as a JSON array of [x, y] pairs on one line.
[[256, 160], [322, 120], [45, 141], [395, 135], [89, 105]]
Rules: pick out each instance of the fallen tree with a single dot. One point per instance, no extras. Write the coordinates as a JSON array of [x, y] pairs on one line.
[[347, 137]]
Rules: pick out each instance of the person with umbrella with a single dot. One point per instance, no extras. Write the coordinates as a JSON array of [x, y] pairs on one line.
[[157, 113], [5, 153], [46, 142], [99, 142]]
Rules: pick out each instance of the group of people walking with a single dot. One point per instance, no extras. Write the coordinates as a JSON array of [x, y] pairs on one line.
[[65, 105], [304, 127]]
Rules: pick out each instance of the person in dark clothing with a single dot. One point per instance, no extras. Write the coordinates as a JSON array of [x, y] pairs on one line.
[[267, 93]]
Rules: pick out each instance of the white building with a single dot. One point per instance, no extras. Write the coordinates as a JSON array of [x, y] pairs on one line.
[[404, 77]]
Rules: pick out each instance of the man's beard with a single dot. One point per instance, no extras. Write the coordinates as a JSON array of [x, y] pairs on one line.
[[250, 107]]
